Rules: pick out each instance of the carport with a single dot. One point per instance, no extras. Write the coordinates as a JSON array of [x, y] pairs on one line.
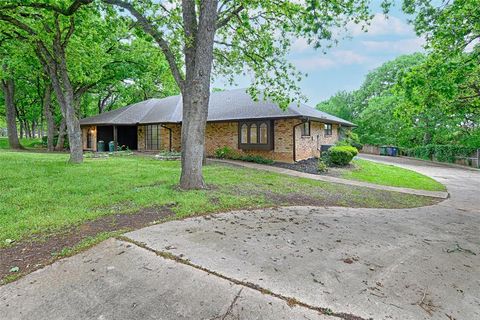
[[122, 135]]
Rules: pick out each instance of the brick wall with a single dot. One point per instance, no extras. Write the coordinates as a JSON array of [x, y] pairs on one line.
[[221, 134], [84, 137], [226, 134], [164, 137]]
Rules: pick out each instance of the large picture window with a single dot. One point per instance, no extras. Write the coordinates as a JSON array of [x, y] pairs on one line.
[[152, 137], [255, 135]]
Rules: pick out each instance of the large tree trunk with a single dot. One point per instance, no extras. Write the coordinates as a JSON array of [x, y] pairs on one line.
[[56, 67], [8, 87], [196, 91], [47, 110]]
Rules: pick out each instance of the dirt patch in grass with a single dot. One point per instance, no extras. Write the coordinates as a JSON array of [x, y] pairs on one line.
[[41, 250]]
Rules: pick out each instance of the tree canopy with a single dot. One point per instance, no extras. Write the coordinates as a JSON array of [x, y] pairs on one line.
[[424, 99]]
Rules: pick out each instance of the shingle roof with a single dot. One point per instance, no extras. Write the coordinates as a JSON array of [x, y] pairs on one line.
[[225, 105]]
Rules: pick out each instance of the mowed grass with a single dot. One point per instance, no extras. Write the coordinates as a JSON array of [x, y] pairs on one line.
[[390, 175], [42, 193], [25, 142]]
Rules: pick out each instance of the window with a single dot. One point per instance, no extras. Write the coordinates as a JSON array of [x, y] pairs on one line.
[[328, 129], [263, 133], [306, 129], [244, 133], [152, 137], [255, 135]]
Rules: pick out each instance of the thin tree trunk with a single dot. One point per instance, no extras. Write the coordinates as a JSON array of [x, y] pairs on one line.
[[47, 110], [196, 92], [61, 135], [8, 87]]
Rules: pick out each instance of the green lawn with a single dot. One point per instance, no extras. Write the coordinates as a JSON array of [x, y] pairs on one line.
[[27, 143], [390, 175], [42, 193]]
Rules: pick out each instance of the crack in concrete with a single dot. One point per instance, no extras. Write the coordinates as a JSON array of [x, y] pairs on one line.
[[289, 300]]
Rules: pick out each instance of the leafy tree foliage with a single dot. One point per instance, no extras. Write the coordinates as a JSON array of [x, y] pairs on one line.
[[372, 107]]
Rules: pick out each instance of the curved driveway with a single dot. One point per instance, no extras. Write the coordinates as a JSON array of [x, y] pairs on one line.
[[420, 263]]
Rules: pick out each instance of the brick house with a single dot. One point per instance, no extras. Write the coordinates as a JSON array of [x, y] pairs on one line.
[[234, 120]]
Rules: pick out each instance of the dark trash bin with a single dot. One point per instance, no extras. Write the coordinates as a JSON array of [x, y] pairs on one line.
[[325, 147], [383, 151], [111, 146], [101, 146], [394, 152]]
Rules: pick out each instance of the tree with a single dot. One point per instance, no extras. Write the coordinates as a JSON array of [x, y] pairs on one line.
[[448, 83], [8, 61], [342, 104], [373, 106], [78, 51]]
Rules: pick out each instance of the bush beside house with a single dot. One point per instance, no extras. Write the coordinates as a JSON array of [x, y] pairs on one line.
[[228, 153]]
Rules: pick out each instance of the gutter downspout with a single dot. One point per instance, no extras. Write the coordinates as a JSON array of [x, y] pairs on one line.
[[295, 138], [170, 137]]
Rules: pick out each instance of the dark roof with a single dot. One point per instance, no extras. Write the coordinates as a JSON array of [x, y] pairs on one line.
[[224, 105]]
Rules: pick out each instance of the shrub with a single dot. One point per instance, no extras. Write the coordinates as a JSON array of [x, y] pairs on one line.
[[352, 139], [256, 159], [322, 165], [228, 153], [224, 153], [340, 155]]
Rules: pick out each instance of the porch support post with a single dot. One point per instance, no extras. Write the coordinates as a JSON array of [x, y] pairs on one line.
[[115, 137]]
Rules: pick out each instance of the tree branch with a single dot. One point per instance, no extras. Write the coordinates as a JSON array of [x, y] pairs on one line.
[[223, 22], [150, 29], [67, 12]]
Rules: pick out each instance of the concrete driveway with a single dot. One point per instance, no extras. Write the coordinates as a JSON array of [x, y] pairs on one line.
[[284, 263]]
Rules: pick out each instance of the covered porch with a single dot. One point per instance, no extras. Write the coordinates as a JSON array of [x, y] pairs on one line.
[[148, 137]]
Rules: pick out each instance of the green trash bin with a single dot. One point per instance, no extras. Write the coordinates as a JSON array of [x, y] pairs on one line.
[[111, 146], [101, 146], [383, 150]]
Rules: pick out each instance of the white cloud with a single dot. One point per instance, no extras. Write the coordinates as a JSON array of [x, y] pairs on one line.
[[398, 46], [346, 57], [333, 59], [381, 25], [300, 45], [310, 63]]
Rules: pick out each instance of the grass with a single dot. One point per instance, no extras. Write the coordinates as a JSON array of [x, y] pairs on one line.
[[41, 193], [389, 175], [25, 142]]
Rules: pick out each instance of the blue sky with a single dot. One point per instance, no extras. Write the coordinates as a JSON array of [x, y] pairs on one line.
[[344, 67]]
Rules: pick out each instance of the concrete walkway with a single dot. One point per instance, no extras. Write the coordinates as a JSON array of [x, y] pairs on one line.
[[284, 263], [251, 165]]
